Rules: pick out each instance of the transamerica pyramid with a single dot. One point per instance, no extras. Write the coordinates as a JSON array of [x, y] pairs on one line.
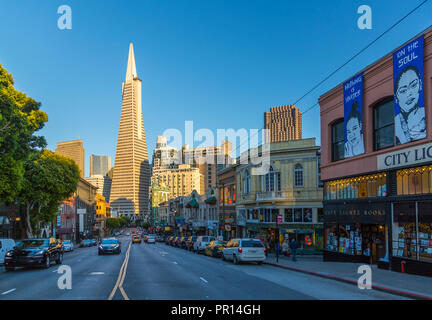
[[131, 176]]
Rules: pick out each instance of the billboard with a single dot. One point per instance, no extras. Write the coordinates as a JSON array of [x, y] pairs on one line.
[[410, 123], [353, 116]]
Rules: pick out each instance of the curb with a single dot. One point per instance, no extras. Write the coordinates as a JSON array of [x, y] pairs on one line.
[[374, 287]]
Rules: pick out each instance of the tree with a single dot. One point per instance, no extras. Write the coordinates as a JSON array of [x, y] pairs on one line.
[[49, 178], [20, 118], [113, 223]]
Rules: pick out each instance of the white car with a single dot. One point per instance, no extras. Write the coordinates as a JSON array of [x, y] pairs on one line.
[[68, 245], [202, 242], [151, 239], [6, 245], [244, 250]]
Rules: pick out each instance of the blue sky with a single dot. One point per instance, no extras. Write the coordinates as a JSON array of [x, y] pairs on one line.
[[219, 63]]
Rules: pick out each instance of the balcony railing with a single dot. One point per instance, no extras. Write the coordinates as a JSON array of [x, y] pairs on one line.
[[270, 195]]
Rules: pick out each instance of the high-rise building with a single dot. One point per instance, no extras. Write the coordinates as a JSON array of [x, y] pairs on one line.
[[99, 165], [164, 156], [131, 176], [180, 181], [284, 124], [209, 160], [74, 150]]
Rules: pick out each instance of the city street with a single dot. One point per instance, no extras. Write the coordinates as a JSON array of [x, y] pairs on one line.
[[158, 271]]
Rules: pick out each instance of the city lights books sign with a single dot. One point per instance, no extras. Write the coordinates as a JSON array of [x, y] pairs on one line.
[[410, 124], [353, 106]]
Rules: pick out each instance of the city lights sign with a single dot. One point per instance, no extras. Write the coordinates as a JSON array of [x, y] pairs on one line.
[[405, 157]]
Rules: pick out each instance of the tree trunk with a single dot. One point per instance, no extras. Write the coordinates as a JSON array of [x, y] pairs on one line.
[[28, 227]]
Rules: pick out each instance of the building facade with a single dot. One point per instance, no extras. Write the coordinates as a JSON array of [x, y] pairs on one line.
[[286, 202], [131, 177], [378, 197], [74, 150], [230, 226], [99, 165], [103, 211], [284, 123], [103, 185]]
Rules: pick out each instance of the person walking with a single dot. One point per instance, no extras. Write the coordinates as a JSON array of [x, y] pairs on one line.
[[293, 247], [285, 248]]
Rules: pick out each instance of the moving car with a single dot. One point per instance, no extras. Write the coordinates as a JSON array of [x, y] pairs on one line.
[[68, 245], [6, 245], [109, 245], [244, 250], [214, 248], [151, 239], [136, 239], [35, 252], [202, 242], [85, 243], [190, 242]]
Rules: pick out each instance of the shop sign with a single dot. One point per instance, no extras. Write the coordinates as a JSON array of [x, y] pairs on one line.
[[279, 219], [362, 212], [81, 211], [227, 227], [212, 224], [405, 157], [241, 217]]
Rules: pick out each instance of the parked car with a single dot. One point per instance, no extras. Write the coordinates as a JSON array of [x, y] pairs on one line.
[[93, 242], [244, 250], [136, 239], [202, 242], [109, 245], [214, 248], [151, 239], [190, 242], [35, 252], [182, 243], [6, 245], [178, 242], [68, 245], [173, 241], [168, 240]]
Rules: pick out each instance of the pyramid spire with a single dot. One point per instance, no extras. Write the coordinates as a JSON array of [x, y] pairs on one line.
[[131, 72]]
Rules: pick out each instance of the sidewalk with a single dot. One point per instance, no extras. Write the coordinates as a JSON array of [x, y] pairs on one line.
[[408, 285]]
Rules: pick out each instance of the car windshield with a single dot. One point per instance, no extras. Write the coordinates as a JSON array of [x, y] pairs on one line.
[[33, 243], [66, 242], [252, 244], [109, 241], [86, 241], [194, 238], [204, 239]]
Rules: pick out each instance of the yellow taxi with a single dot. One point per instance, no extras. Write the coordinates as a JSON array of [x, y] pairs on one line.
[[214, 248], [136, 239]]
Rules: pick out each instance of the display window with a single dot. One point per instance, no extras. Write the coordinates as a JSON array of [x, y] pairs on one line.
[[404, 230], [358, 187], [345, 238], [414, 180]]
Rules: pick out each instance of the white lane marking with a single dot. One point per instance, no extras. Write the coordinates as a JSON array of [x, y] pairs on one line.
[[96, 273], [175, 262], [55, 270], [203, 279], [9, 291]]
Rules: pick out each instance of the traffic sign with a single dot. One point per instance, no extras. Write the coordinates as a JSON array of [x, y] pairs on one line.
[[279, 219]]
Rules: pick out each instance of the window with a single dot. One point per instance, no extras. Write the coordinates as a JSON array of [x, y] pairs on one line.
[[289, 215], [298, 215], [384, 125], [338, 140], [359, 187], [272, 181], [414, 180], [298, 175], [246, 182], [320, 183]]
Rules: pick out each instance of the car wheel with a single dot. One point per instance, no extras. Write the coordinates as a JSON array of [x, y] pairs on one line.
[[235, 260], [223, 257], [9, 269], [47, 262], [259, 262], [59, 259]]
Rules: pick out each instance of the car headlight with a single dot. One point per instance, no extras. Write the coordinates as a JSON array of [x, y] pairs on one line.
[[9, 254], [39, 253], [100, 247]]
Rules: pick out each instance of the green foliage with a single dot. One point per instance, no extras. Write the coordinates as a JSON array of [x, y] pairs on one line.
[[49, 178], [145, 225], [113, 223], [20, 118]]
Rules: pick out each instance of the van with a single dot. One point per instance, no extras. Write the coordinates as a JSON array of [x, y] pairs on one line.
[[202, 242], [6, 245], [244, 250]]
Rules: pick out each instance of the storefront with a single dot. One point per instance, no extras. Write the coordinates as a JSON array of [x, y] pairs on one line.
[[357, 231]]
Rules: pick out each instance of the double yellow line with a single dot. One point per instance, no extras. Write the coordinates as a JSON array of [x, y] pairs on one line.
[[121, 276]]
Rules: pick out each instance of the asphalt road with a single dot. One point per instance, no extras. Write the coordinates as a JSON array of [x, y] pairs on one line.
[[157, 271]]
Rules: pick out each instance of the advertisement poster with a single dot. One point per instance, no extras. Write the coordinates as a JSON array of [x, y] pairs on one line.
[[410, 123], [353, 106]]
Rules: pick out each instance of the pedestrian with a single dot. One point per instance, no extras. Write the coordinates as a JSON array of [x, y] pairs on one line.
[[285, 247], [293, 245]]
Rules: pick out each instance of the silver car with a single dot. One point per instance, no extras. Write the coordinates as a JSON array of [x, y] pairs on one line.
[[244, 250], [68, 245], [202, 242]]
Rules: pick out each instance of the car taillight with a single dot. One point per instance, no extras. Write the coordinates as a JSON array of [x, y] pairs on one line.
[[240, 250], [265, 250]]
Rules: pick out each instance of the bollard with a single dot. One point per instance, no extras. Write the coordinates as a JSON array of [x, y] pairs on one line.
[[403, 263]]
